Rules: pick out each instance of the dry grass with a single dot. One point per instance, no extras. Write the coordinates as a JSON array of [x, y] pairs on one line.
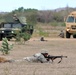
[[47, 30], [55, 46]]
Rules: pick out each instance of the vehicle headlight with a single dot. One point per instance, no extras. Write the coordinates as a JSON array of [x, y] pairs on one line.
[[12, 32], [2, 31], [68, 29]]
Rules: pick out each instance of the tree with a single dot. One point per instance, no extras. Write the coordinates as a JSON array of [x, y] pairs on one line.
[[21, 9]]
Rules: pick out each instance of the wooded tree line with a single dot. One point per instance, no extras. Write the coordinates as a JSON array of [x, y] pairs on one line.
[[33, 15]]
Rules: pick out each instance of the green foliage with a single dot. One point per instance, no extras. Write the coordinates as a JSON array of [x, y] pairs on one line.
[[26, 36], [33, 15], [23, 34], [21, 9], [31, 18], [30, 14], [6, 47], [8, 17], [17, 37]]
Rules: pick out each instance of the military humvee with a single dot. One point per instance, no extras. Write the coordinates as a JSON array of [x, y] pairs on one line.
[[9, 29]]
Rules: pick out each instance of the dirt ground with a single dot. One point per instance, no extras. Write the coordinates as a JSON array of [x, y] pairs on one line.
[[54, 46]]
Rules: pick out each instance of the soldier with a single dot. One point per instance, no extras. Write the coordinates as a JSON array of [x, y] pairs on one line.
[[38, 57], [61, 34], [42, 56], [42, 39], [16, 18]]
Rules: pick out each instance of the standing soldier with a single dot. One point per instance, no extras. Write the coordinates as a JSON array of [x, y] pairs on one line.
[[16, 18]]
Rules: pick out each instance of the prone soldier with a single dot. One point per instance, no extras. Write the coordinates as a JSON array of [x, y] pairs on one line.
[[52, 58], [43, 57], [38, 57]]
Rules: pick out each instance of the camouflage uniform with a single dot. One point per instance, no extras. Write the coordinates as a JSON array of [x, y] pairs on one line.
[[61, 34], [16, 18], [38, 57], [42, 38]]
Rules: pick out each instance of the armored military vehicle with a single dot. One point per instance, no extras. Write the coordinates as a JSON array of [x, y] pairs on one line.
[[71, 25], [9, 29]]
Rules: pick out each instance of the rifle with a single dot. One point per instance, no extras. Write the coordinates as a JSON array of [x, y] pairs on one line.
[[55, 57]]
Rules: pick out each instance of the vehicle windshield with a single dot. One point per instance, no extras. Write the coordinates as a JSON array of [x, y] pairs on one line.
[[7, 25], [70, 19], [16, 25]]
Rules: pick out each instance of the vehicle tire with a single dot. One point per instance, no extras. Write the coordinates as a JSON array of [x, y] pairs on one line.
[[68, 34], [0, 37], [74, 36], [31, 31]]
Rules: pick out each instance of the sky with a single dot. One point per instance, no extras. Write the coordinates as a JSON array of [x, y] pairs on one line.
[[9, 5]]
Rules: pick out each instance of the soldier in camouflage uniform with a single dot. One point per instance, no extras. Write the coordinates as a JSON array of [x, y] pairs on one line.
[[38, 57], [16, 18], [61, 34]]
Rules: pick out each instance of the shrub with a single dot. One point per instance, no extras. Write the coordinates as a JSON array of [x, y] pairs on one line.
[[6, 47], [22, 35], [26, 36]]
